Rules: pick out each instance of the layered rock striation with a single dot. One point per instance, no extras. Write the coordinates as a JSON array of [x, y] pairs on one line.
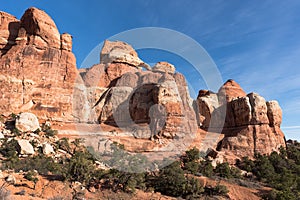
[[38, 68], [250, 123], [38, 74], [129, 94]]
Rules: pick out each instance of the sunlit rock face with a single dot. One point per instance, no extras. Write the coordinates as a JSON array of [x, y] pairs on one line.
[[38, 74], [251, 124], [132, 92], [38, 68]]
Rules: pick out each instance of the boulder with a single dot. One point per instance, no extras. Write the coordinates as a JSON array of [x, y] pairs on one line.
[[121, 52], [66, 42], [11, 179], [48, 149], [259, 109], [128, 79], [25, 147], [274, 113], [164, 67], [207, 104], [242, 111], [27, 122]]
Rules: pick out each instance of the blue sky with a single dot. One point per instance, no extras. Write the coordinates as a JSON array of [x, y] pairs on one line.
[[256, 43]]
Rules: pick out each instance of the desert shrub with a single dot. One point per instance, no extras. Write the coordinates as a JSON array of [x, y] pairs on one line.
[[264, 170], [16, 131], [120, 159], [281, 195], [32, 176], [226, 171], [10, 148], [223, 170], [13, 116], [192, 154], [124, 181], [278, 170], [171, 180], [206, 168], [217, 190], [64, 144], [192, 189], [80, 167], [192, 167], [49, 132], [190, 160], [41, 163], [245, 164], [78, 141]]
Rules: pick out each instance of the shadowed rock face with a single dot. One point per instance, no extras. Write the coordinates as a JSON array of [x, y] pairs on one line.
[[9, 28], [38, 24]]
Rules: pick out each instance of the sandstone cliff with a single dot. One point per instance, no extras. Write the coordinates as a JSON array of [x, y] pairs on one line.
[[127, 94], [251, 124], [38, 69], [38, 74]]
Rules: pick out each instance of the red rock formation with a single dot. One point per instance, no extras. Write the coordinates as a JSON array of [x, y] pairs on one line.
[[231, 90], [9, 28], [38, 69], [251, 125], [38, 74]]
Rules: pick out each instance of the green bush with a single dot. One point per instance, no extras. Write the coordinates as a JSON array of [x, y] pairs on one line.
[[246, 164], [217, 190], [192, 167], [32, 176], [193, 154], [10, 148], [206, 168], [41, 163], [64, 144], [278, 170], [48, 131], [171, 180], [223, 170], [124, 181], [80, 167], [192, 189]]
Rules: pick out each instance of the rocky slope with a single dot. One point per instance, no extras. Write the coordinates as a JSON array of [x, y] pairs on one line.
[[38, 74]]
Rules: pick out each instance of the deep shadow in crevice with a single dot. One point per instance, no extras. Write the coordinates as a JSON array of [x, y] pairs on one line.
[[13, 28]]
